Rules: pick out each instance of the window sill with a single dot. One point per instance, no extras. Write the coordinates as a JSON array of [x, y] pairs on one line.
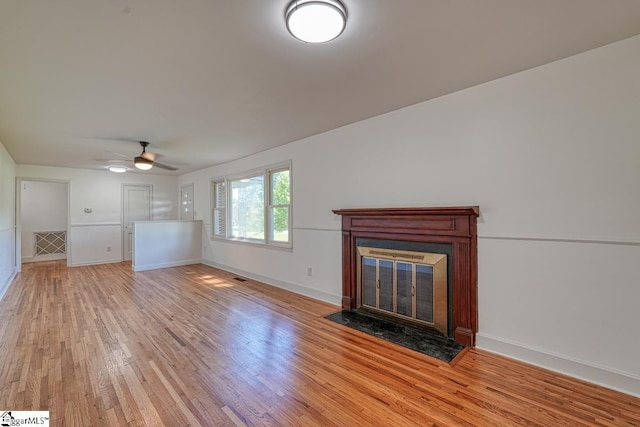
[[247, 242]]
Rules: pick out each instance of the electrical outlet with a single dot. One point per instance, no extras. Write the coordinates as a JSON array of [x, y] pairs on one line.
[[309, 271], [108, 248]]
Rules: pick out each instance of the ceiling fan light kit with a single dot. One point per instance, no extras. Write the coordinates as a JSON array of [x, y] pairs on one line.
[[142, 163], [316, 21]]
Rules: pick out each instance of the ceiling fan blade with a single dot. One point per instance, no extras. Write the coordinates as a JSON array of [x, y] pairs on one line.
[[163, 166], [113, 160], [114, 154], [109, 138]]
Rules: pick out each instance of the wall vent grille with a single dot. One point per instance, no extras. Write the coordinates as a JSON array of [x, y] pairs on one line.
[[50, 242]]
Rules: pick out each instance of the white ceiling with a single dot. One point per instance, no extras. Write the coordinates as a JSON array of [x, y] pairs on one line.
[[208, 81]]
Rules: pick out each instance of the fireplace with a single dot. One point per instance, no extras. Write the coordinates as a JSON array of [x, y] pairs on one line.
[[416, 265], [407, 285]]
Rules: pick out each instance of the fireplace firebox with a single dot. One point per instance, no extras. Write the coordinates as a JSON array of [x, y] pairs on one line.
[[413, 264], [409, 285]]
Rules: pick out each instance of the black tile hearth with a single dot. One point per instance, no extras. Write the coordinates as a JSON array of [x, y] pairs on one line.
[[426, 342]]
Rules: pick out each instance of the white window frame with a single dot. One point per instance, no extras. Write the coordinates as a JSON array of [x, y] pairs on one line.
[[266, 173], [270, 208], [216, 209], [240, 180]]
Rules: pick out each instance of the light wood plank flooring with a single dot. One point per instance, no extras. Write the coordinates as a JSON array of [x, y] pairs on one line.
[[102, 345]]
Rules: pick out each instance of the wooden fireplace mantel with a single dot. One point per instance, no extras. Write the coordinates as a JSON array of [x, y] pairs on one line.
[[456, 226]]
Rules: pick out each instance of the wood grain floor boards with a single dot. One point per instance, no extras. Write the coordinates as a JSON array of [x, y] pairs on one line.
[[191, 346]]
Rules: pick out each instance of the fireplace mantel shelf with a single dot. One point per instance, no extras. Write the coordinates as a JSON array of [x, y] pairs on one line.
[[456, 226], [451, 210]]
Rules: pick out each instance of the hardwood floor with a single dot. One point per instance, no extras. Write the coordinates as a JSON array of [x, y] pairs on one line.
[[102, 345]]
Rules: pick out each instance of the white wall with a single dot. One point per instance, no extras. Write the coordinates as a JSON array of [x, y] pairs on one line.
[[551, 156], [36, 198], [161, 244], [7, 219], [93, 234]]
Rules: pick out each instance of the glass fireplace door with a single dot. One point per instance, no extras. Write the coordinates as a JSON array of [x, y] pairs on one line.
[[398, 287]]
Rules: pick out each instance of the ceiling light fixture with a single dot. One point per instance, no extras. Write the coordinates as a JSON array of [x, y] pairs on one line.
[[142, 163], [316, 21], [117, 169]]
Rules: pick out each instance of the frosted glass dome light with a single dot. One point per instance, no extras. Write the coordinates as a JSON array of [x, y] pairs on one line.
[[316, 21], [117, 169]]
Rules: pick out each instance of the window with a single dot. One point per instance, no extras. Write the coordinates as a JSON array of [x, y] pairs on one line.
[[279, 201], [254, 207], [247, 208], [219, 213]]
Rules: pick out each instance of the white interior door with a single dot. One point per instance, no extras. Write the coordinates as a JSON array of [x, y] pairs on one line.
[[136, 206], [186, 202]]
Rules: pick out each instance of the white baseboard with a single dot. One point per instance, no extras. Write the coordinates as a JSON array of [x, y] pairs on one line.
[[166, 264], [6, 284], [621, 381], [96, 262], [40, 258], [312, 293]]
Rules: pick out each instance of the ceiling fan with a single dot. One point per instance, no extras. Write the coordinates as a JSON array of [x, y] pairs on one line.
[[145, 161]]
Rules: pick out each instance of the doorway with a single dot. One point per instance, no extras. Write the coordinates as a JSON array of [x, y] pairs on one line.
[[136, 206], [42, 226]]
